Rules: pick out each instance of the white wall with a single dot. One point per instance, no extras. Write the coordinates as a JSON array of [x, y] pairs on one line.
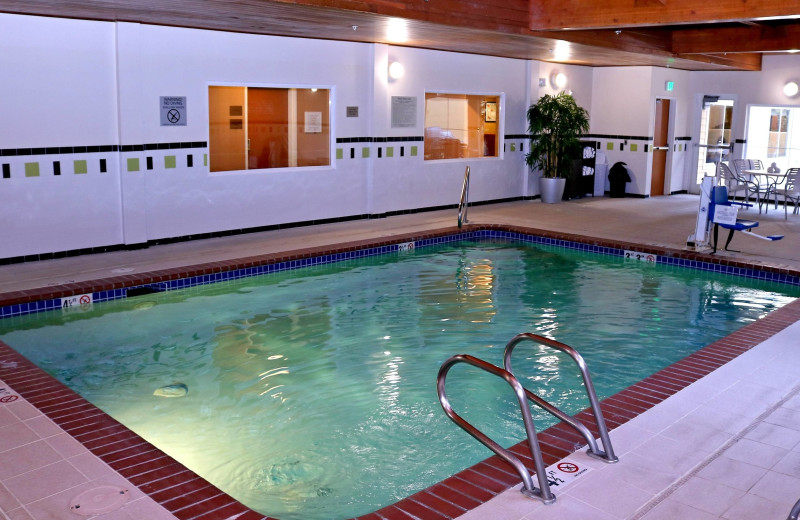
[[78, 84], [402, 184], [58, 89]]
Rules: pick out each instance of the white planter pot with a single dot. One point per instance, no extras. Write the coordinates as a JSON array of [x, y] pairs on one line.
[[551, 190]]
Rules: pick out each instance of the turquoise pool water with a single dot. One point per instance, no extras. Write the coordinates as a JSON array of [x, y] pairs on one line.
[[311, 393]]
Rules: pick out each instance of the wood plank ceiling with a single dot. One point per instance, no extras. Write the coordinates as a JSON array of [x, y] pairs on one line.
[[682, 34]]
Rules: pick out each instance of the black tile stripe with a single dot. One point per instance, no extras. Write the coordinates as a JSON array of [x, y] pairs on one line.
[[52, 150], [417, 138]]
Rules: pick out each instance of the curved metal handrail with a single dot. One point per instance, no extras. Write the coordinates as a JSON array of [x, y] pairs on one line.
[[464, 203], [795, 512], [543, 493], [594, 451]]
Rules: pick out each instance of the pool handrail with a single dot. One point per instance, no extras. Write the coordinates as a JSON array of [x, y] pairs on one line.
[[795, 512], [607, 455], [464, 202], [543, 493]]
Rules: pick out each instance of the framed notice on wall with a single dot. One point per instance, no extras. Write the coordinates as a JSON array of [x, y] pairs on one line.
[[404, 111], [313, 123], [491, 112]]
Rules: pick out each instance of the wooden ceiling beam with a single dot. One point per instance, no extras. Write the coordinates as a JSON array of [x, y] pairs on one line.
[[745, 61], [736, 39], [654, 41], [604, 14]]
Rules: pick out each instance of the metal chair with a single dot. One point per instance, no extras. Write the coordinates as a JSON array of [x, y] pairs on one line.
[[790, 191], [733, 182], [754, 188]]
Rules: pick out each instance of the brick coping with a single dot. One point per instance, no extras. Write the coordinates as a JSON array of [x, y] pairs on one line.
[[188, 496]]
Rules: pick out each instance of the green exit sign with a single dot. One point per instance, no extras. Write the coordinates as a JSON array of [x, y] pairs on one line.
[[669, 86]]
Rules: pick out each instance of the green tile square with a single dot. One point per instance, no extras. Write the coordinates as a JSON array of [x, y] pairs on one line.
[[80, 166], [609, 146], [634, 147], [339, 153], [31, 169], [390, 151], [133, 164], [513, 147], [170, 161], [413, 151], [365, 153]]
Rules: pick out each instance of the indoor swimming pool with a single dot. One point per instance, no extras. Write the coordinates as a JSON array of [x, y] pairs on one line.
[[311, 393]]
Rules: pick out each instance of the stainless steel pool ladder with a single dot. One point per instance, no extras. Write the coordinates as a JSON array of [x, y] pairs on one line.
[[464, 202], [543, 493], [593, 451]]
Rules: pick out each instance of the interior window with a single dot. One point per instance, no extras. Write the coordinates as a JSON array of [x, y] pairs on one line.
[[778, 132], [256, 128], [773, 135], [461, 125]]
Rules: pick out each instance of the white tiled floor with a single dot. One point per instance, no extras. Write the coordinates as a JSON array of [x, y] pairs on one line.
[[42, 469], [726, 447]]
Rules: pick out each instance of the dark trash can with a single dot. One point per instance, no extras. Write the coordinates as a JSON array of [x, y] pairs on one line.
[[618, 177]]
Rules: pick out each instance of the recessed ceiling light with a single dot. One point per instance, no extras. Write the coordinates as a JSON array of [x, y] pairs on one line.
[[397, 31]]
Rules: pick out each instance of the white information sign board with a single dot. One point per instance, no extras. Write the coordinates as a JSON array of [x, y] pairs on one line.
[[404, 111], [725, 214], [313, 122]]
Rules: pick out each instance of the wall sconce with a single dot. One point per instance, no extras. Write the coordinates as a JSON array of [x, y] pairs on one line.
[[558, 80], [791, 89], [396, 70]]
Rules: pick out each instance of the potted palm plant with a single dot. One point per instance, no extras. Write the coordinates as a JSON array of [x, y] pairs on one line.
[[555, 125]]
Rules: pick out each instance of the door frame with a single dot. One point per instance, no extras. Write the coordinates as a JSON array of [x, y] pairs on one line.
[[670, 144], [690, 179]]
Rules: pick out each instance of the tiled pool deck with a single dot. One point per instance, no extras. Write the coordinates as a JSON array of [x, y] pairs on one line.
[[34, 450]]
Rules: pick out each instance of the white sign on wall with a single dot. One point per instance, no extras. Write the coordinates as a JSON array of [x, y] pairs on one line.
[[173, 110], [404, 111], [313, 122]]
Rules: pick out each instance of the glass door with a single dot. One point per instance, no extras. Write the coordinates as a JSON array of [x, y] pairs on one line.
[[714, 144]]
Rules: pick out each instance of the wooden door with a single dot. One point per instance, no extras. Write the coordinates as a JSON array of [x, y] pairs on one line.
[[660, 148]]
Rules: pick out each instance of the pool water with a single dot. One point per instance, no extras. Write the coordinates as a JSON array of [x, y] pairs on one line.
[[311, 394]]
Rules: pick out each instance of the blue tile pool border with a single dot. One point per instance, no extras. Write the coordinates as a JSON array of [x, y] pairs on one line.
[[662, 256]]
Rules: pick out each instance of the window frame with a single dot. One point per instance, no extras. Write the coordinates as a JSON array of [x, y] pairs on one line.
[[284, 169], [500, 122]]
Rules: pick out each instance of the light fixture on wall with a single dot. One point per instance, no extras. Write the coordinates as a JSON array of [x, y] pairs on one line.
[[791, 88], [396, 70], [558, 80]]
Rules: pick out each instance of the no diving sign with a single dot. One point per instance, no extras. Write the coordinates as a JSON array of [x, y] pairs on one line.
[[173, 110], [565, 472]]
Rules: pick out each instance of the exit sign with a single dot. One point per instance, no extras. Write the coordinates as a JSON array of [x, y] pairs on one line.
[[669, 86]]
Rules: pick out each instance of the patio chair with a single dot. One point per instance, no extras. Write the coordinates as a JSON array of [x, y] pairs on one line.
[[719, 197], [751, 182], [731, 181], [790, 191]]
